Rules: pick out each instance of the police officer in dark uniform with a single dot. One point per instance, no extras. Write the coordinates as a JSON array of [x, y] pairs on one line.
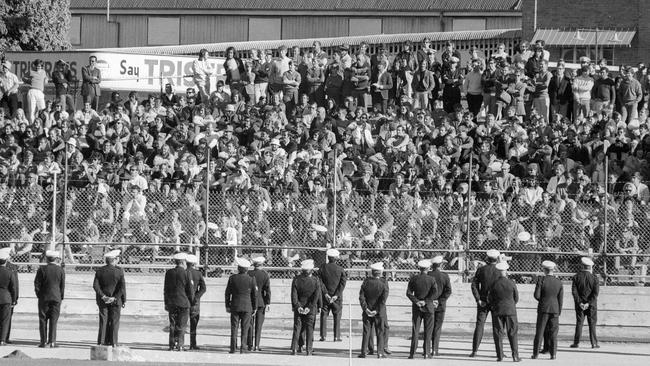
[[333, 279], [241, 302], [110, 295], [443, 285], [198, 287], [49, 286], [483, 280], [502, 299], [549, 294], [305, 297], [14, 269], [372, 297], [8, 295], [263, 282], [179, 294], [585, 296], [421, 291], [384, 321]]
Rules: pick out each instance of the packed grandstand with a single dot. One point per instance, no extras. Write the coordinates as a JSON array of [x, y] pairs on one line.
[[397, 155]]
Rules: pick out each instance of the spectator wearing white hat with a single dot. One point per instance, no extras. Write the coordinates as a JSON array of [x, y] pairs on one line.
[[110, 290], [585, 288], [333, 279], [199, 289], [421, 290], [241, 302], [372, 298], [502, 299], [305, 300], [263, 305], [482, 283], [49, 286], [549, 294], [443, 285], [178, 295]]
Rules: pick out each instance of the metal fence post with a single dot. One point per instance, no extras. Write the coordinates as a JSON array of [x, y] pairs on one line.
[[53, 228], [334, 206], [64, 223], [465, 271], [604, 251], [207, 215]]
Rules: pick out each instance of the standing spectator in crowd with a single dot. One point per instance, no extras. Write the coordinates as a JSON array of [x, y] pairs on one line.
[[629, 94], [64, 85], [202, 71], [472, 85], [235, 71], [290, 83], [604, 91], [276, 76], [90, 88], [9, 84], [560, 93], [582, 86], [541, 99], [383, 83]]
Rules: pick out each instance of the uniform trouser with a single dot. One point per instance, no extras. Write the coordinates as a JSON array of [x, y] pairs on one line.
[[177, 324], [303, 323], [546, 324], [5, 318], [439, 318], [591, 315], [11, 316], [335, 308], [369, 323], [237, 319], [109, 324], [386, 328], [505, 324], [48, 317], [194, 322], [481, 316], [416, 319], [474, 102], [255, 329]]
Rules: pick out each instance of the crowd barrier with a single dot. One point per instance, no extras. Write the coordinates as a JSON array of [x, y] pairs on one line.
[[286, 228]]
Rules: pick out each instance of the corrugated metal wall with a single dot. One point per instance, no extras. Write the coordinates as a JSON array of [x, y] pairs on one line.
[[394, 25], [298, 27], [97, 33], [213, 29]]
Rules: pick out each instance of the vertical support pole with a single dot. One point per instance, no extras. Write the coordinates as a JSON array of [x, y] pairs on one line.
[[64, 223], [465, 271], [53, 240], [207, 214], [604, 253], [350, 334]]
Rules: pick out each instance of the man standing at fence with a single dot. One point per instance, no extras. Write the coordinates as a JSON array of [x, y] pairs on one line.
[[585, 296], [481, 284], [92, 77], [421, 291], [372, 297], [8, 295], [502, 299], [241, 301], [178, 294], [49, 286], [333, 279], [110, 290], [198, 288], [263, 282], [305, 296], [443, 285], [549, 293]]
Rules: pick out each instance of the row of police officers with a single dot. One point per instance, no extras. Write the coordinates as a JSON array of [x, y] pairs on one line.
[[248, 298]]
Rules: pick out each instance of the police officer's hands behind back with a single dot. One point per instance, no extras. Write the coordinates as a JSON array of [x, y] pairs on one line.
[[371, 313]]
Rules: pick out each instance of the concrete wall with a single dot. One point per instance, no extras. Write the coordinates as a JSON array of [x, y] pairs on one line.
[[624, 312]]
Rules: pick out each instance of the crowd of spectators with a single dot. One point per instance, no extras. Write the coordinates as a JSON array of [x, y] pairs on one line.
[[399, 151]]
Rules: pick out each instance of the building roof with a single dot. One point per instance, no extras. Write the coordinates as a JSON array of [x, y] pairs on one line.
[[585, 37], [322, 5], [437, 38]]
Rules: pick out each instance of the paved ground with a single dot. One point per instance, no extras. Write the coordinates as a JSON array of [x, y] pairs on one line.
[[147, 340]]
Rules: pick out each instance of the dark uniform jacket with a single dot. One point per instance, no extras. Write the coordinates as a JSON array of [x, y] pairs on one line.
[[503, 297], [241, 293], [263, 286], [373, 295], [549, 294], [8, 286], [443, 286], [333, 278], [109, 281], [49, 283], [305, 293], [198, 287], [179, 291], [484, 277], [422, 287], [585, 288]]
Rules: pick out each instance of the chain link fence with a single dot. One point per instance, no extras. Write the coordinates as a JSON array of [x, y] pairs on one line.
[[287, 228]]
